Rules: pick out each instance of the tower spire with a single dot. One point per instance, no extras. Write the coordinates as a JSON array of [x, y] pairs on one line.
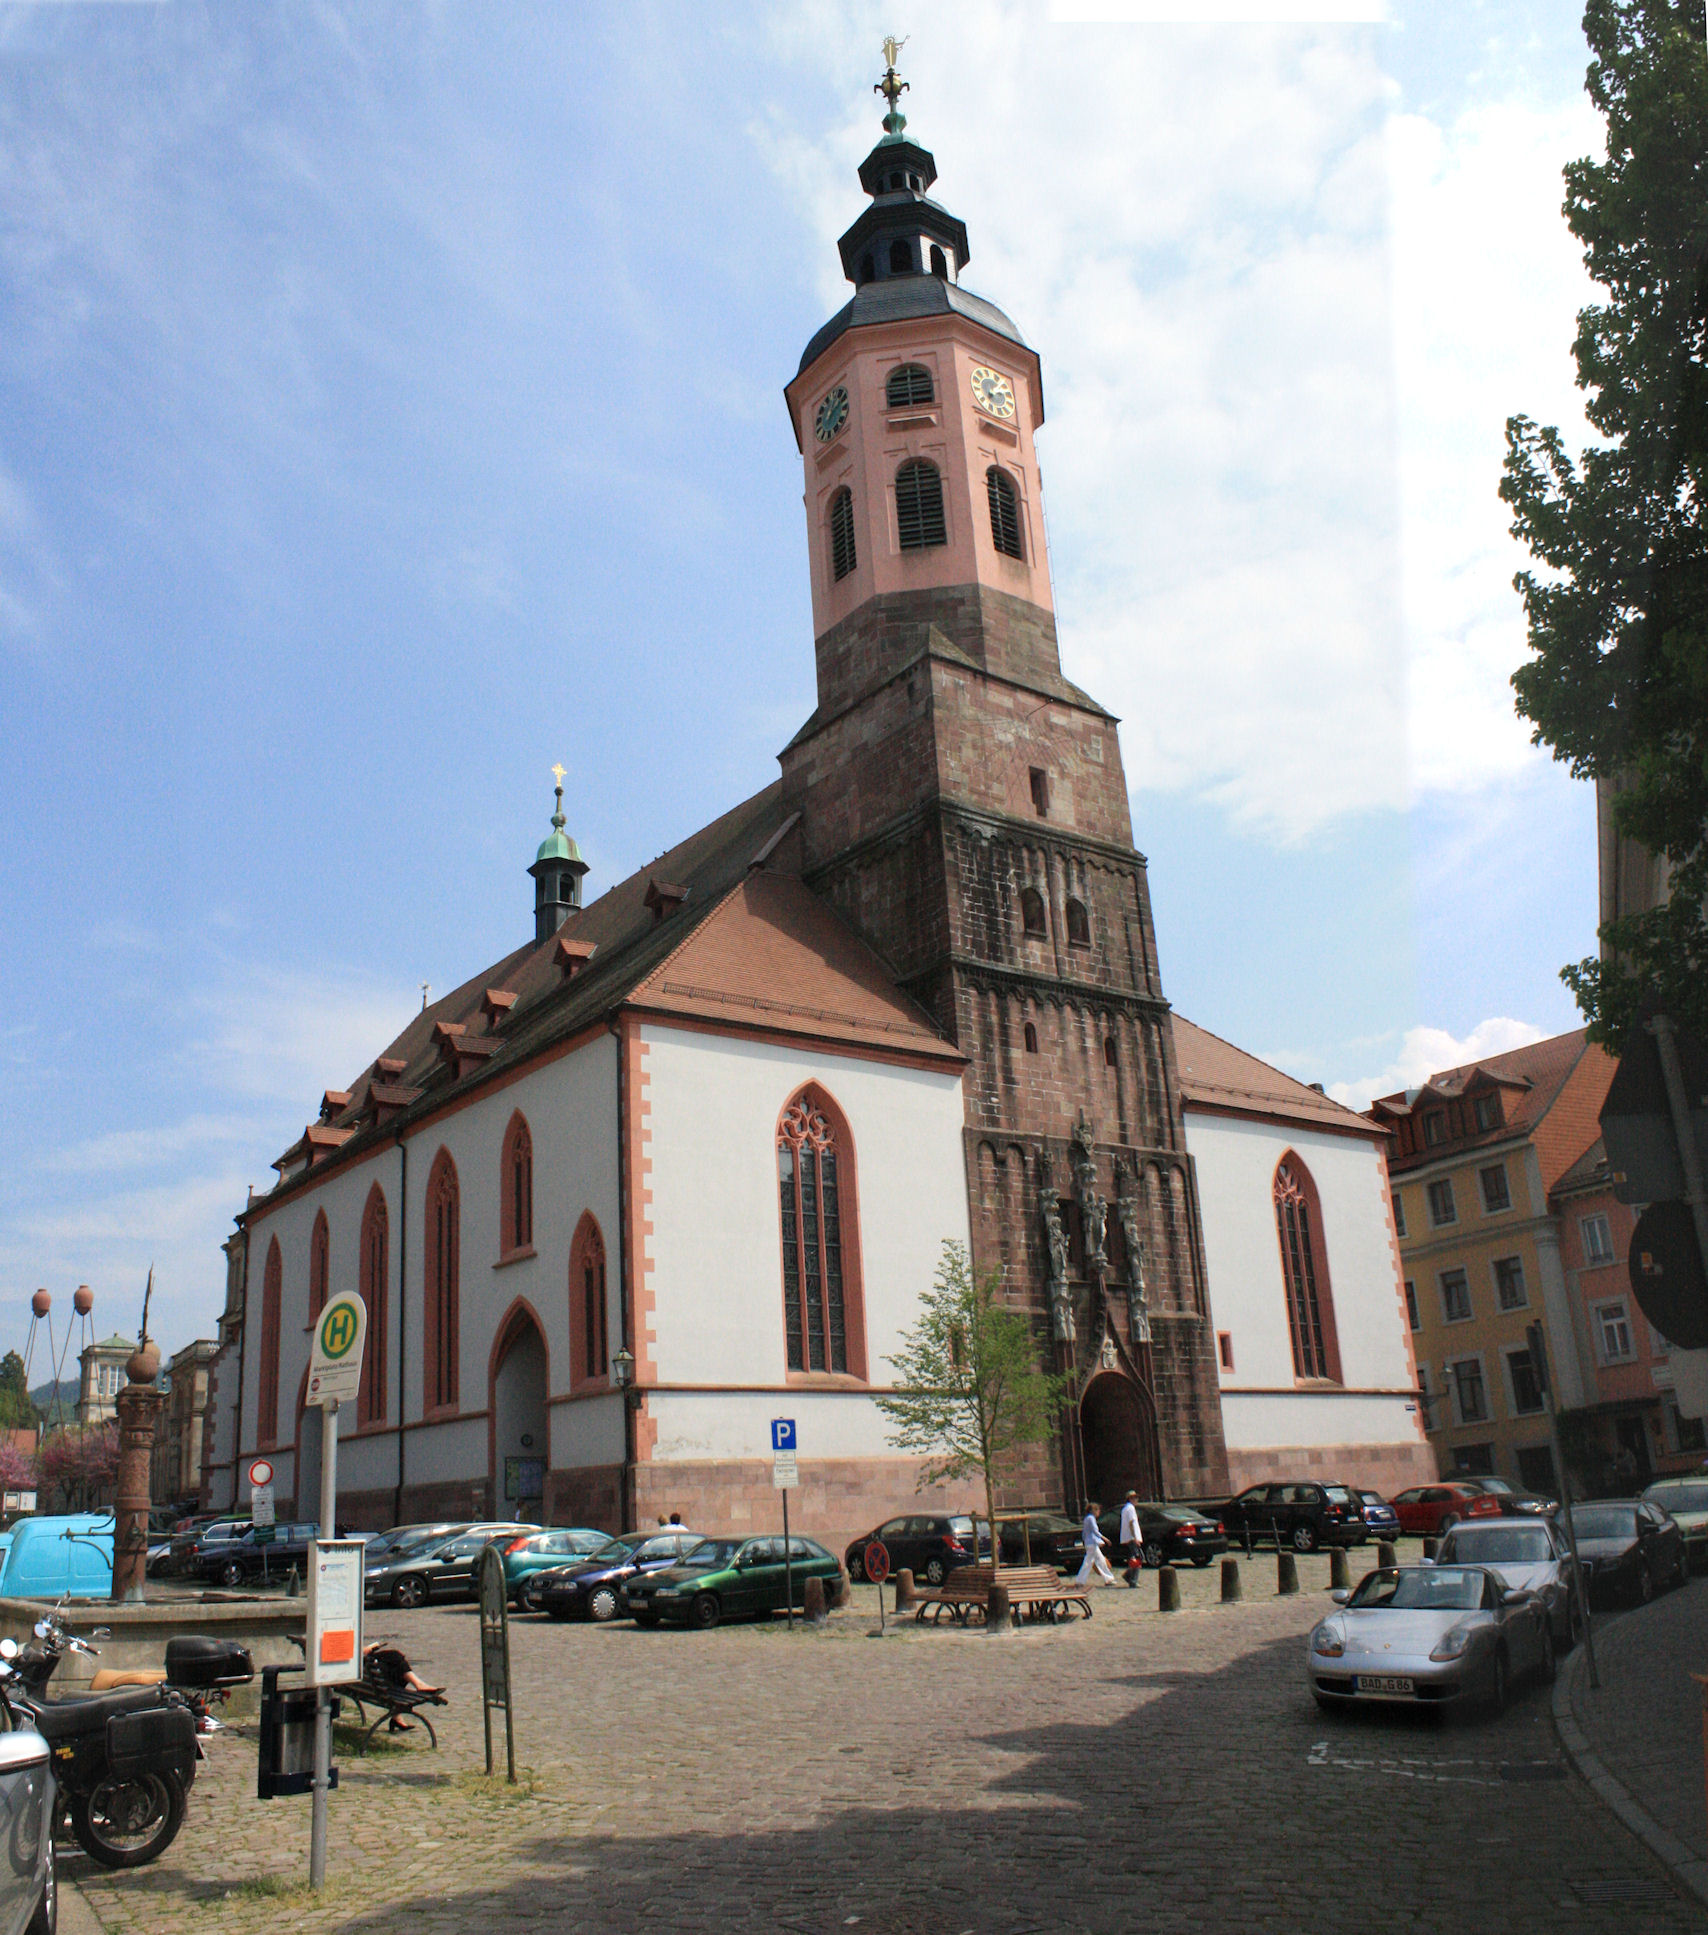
[[892, 87], [557, 871]]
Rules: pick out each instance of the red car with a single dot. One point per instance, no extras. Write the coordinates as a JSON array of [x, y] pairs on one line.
[[1430, 1509]]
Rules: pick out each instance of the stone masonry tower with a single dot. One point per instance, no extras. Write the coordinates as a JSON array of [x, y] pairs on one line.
[[964, 806]]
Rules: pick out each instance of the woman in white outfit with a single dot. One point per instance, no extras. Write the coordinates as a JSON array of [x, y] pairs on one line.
[[1094, 1544]]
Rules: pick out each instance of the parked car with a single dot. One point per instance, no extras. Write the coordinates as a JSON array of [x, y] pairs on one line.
[[1519, 1504], [1037, 1537], [401, 1535], [1305, 1514], [433, 1568], [69, 1556], [1430, 1510], [593, 1588], [1527, 1553], [928, 1544], [1381, 1521], [261, 1552], [730, 1579], [1685, 1500], [533, 1552], [194, 1536], [29, 1880], [1170, 1535], [1428, 1635], [1629, 1549]]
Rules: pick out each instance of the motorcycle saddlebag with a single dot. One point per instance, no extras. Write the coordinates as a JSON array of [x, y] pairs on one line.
[[197, 1661], [158, 1740]]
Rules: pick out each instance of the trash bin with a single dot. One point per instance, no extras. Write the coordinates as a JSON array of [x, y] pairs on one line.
[[286, 1762]]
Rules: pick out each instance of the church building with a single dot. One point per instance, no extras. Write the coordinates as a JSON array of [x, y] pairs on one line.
[[685, 1160]]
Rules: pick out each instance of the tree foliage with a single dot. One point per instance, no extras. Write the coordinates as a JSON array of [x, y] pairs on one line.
[[81, 1464], [17, 1407], [1618, 611], [969, 1389]]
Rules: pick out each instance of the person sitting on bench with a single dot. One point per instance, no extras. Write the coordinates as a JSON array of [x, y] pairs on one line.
[[388, 1665]]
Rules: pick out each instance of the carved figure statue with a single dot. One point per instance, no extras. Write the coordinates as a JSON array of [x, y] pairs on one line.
[[1138, 1310], [1061, 1304], [1093, 1210]]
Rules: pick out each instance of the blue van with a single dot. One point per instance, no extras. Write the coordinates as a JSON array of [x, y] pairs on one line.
[[62, 1557]]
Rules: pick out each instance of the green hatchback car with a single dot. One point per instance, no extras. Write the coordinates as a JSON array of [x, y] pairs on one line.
[[1687, 1500], [531, 1552], [730, 1579]]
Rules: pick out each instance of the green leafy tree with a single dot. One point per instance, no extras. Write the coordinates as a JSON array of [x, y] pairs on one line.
[[1618, 611], [17, 1407], [969, 1390]]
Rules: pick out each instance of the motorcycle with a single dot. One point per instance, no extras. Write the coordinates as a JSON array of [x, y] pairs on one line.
[[124, 1759]]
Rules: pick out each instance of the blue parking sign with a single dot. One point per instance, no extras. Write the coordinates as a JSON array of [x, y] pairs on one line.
[[782, 1434]]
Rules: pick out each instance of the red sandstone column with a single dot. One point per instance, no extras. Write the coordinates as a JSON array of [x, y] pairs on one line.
[[138, 1405]]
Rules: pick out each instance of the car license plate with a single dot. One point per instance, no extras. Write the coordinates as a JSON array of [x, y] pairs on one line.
[[1384, 1683]]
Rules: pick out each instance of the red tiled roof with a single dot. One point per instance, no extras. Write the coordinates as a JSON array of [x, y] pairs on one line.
[[1214, 1074]]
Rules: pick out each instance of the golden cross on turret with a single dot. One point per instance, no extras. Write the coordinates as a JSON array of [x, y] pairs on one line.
[[892, 87], [557, 774]]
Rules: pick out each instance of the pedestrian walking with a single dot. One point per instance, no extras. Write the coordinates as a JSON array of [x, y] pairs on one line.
[[1132, 1540], [1094, 1544]]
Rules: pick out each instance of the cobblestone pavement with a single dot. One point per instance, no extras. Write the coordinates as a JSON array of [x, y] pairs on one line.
[[1646, 1721], [1165, 1772]]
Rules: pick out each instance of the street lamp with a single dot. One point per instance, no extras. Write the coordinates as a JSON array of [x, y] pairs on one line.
[[623, 1372], [623, 1376]]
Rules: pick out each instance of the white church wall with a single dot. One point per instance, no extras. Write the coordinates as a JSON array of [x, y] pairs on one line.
[[714, 1102], [589, 1432], [737, 1424]]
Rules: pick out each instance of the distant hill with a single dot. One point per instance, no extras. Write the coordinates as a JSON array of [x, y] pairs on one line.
[[68, 1389]]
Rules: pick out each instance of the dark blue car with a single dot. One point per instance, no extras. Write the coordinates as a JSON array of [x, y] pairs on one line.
[[1381, 1521], [592, 1588]]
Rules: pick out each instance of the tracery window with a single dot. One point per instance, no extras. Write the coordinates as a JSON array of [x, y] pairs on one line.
[[444, 1266], [375, 1270], [516, 1182], [843, 557], [1004, 512], [1304, 1268], [909, 386], [814, 1162], [589, 1349], [319, 1265], [919, 506], [267, 1411]]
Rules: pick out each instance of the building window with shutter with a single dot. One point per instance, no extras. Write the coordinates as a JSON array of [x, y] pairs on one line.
[[1468, 1392], [842, 553], [1615, 1329], [1510, 1293], [1597, 1241], [1496, 1195], [823, 1327], [1455, 1296], [1304, 1270], [1442, 1208], [908, 387], [1004, 512], [919, 506], [1413, 1319]]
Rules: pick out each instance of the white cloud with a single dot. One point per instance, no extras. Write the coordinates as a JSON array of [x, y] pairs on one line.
[[1431, 1051], [272, 1035]]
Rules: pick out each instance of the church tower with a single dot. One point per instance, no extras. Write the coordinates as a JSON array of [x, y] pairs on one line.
[[963, 805]]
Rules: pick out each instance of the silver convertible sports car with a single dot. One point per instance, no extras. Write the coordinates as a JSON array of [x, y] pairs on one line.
[[1428, 1635]]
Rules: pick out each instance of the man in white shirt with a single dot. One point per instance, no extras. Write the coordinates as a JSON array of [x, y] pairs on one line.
[[1094, 1544], [1132, 1540]]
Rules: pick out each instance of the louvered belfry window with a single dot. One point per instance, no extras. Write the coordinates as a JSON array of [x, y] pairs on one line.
[[919, 506], [1004, 512], [1298, 1266], [814, 1306], [842, 553], [908, 387]]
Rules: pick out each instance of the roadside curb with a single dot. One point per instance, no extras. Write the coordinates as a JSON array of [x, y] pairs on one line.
[[76, 1915], [1690, 1868]]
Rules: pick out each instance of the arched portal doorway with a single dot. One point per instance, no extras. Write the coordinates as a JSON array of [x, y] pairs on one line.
[[1115, 1430], [517, 1406]]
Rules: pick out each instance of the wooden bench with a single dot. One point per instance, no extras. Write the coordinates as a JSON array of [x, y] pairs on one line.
[[1036, 1591], [391, 1702]]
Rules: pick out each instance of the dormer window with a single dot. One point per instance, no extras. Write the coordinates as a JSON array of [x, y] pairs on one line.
[[919, 506], [1434, 1129], [842, 552], [1486, 1109], [908, 387]]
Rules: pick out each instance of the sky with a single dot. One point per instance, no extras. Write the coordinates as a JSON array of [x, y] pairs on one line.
[[391, 406]]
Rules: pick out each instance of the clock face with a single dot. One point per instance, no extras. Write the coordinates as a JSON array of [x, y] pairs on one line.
[[833, 414], [992, 393]]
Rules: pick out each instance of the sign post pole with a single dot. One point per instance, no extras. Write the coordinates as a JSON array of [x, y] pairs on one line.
[[495, 1656], [1537, 1338], [784, 1473]]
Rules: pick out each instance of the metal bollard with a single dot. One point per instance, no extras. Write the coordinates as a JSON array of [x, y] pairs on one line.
[[813, 1608], [1431, 1547], [1168, 1590], [906, 1595], [293, 1585], [1286, 1573], [996, 1609], [1339, 1573], [1384, 1552], [1230, 1581], [1248, 1538]]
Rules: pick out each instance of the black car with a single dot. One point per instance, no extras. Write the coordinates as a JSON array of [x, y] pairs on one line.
[[592, 1588], [1044, 1538], [433, 1567], [1628, 1550], [1515, 1503], [1169, 1534], [260, 1552], [928, 1544], [1304, 1514]]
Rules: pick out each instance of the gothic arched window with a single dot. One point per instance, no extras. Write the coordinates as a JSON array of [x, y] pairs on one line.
[[909, 386], [1031, 1039], [589, 1346], [822, 1312], [319, 1265], [1304, 1268], [901, 258], [443, 1257], [1004, 512], [1108, 1051], [842, 554], [1078, 923], [919, 506], [375, 1272], [516, 1188], [272, 1290], [1032, 919]]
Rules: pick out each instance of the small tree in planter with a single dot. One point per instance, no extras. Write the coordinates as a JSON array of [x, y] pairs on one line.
[[969, 1389]]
